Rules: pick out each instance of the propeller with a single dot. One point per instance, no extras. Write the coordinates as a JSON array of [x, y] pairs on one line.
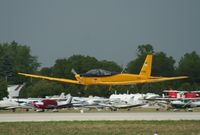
[[123, 70], [73, 71]]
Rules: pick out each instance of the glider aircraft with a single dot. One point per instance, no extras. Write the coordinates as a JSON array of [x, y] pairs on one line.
[[103, 77]]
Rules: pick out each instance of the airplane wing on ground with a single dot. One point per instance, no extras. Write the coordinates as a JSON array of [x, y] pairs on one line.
[[159, 79], [51, 78], [171, 99]]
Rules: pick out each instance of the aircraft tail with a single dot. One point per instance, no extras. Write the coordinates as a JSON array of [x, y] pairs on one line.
[[69, 99], [172, 94], [146, 68], [62, 95]]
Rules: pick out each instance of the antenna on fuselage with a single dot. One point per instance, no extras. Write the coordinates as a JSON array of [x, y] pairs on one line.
[[123, 68]]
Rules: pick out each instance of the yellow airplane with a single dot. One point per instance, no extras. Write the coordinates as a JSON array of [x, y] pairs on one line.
[[103, 77]]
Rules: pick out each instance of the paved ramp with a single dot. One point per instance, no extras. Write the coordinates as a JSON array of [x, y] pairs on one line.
[[16, 117]]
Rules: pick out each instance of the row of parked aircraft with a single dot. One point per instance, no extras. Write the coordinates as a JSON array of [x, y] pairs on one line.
[[174, 99], [183, 99]]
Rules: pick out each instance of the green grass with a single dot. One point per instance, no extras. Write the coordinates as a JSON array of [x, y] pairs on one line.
[[101, 128]]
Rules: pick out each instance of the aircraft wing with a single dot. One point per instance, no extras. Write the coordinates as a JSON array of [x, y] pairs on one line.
[[50, 78], [159, 79], [167, 79]]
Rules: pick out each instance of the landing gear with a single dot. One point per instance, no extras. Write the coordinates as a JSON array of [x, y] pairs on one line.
[[190, 110], [13, 109], [39, 110], [55, 110]]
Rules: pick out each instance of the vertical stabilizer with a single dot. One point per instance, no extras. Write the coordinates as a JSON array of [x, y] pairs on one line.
[[69, 99], [146, 68]]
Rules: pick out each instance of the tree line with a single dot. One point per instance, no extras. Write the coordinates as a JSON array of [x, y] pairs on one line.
[[16, 58]]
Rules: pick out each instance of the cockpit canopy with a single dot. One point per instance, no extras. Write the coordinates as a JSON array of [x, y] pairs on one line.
[[98, 73]]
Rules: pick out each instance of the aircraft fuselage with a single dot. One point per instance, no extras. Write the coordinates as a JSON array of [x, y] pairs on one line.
[[113, 78]]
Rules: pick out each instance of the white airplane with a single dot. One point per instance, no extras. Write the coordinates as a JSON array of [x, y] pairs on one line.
[[184, 103], [13, 90], [119, 101], [87, 103], [14, 103], [128, 98], [9, 104]]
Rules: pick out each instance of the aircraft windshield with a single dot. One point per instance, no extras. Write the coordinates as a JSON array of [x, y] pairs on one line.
[[98, 73]]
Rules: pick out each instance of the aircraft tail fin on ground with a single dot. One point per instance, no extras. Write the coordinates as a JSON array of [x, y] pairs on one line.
[[146, 68], [69, 99]]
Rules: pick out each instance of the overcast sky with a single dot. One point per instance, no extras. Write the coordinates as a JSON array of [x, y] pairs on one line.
[[105, 29]]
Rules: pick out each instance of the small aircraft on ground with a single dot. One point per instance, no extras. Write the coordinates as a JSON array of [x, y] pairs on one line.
[[185, 103], [54, 104], [8, 104], [103, 77], [14, 103], [125, 101], [179, 100], [174, 94], [183, 99]]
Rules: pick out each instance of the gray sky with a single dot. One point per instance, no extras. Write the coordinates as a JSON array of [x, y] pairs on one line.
[[105, 29]]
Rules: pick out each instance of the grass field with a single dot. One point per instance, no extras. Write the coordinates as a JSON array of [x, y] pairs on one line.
[[101, 128]]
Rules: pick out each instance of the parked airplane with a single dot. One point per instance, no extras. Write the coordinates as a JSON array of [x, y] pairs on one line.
[[8, 104], [103, 77], [87, 103], [13, 90], [14, 103], [184, 103], [174, 94], [52, 104], [125, 101], [179, 99]]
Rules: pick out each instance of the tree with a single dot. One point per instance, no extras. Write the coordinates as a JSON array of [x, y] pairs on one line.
[[110, 66], [41, 89], [185, 86], [162, 64], [7, 69], [16, 58], [46, 71], [190, 65], [3, 88], [135, 65], [83, 63], [145, 49], [153, 88]]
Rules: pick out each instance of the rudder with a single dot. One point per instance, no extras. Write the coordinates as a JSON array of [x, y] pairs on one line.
[[146, 68]]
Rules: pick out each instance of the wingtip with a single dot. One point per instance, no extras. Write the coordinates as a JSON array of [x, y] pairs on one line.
[[20, 73], [185, 76]]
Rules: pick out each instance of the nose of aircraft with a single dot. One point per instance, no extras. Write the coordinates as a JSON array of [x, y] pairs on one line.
[[78, 78]]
